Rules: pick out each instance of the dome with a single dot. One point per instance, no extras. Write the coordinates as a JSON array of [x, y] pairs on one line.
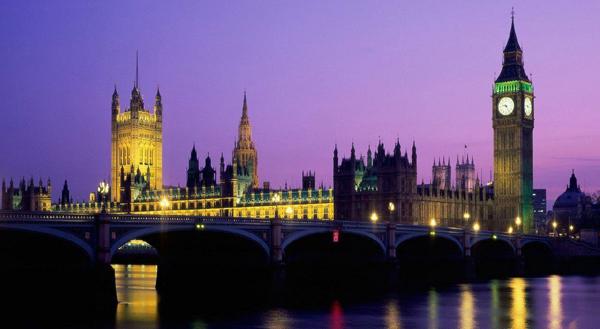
[[572, 197], [569, 199]]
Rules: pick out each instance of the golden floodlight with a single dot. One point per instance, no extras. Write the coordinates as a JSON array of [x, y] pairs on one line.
[[374, 217]]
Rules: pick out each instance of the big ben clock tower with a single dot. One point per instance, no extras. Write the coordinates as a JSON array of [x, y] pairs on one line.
[[513, 117]]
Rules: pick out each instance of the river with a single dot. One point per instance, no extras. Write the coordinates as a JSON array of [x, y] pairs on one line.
[[547, 302]]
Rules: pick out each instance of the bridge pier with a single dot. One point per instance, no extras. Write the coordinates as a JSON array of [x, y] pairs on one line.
[[391, 242], [276, 239], [103, 275], [469, 261]]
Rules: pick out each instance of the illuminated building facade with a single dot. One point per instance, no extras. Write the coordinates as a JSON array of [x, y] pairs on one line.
[[136, 141], [385, 188], [513, 118], [382, 186], [27, 196]]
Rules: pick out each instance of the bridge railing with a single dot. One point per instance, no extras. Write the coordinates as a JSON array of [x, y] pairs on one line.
[[43, 216]]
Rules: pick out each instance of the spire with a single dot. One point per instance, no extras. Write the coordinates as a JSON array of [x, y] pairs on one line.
[[573, 182], [512, 65], [245, 107], [193, 154], [513, 43], [137, 80]]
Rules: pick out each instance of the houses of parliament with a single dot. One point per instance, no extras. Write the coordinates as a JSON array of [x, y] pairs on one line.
[[382, 186]]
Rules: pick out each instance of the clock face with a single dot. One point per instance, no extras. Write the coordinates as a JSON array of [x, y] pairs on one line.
[[506, 105], [528, 106]]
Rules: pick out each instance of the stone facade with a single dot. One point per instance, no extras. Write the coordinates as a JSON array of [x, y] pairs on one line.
[[136, 140]]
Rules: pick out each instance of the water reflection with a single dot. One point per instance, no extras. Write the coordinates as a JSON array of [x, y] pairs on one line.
[[553, 302], [392, 315], [467, 308], [432, 302], [518, 310], [555, 308], [138, 300], [495, 310], [277, 319]]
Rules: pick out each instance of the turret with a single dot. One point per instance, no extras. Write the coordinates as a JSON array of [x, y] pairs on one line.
[[158, 108], [335, 159], [116, 104], [369, 158], [414, 154], [353, 158], [65, 195], [193, 172], [221, 166]]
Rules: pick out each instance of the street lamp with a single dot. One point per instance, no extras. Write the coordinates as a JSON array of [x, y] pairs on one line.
[[466, 217], [374, 217], [554, 226], [476, 227], [103, 190], [510, 230], [391, 208], [433, 223], [164, 204], [571, 228], [275, 199]]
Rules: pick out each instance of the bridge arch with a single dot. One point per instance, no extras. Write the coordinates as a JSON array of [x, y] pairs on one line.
[[528, 242], [140, 233], [56, 233], [306, 233], [490, 238], [402, 238]]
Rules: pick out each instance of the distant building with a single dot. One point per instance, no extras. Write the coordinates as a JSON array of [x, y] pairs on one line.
[[465, 174], [26, 197], [441, 174], [385, 188], [539, 209], [575, 208]]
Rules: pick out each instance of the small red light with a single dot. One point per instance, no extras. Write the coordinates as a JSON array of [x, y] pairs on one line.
[[336, 236]]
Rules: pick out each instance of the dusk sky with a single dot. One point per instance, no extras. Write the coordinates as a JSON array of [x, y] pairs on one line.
[[316, 73]]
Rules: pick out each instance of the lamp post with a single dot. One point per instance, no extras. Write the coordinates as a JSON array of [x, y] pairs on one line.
[[103, 190], [466, 217], [476, 227], [518, 222], [554, 226], [374, 217], [432, 223], [164, 204], [510, 230], [391, 208], [275, 199], [571, 228]]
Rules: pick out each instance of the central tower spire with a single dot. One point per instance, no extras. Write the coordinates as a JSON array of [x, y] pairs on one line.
[[137, 80], [245, 152]]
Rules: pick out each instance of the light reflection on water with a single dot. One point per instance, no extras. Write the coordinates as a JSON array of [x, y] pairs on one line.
[[551, 302]]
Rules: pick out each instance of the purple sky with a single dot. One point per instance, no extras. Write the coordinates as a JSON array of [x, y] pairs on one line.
[[316, 72]]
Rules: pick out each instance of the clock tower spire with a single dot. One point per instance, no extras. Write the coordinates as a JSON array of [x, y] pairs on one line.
[[513, 121]]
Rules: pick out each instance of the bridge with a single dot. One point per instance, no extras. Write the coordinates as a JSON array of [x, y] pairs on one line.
[[94, 239]]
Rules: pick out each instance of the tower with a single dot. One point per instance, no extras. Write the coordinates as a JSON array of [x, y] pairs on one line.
[[193, 172], [136, 141], [441, 174], [244, 152], [465, 174], [513, 118]]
